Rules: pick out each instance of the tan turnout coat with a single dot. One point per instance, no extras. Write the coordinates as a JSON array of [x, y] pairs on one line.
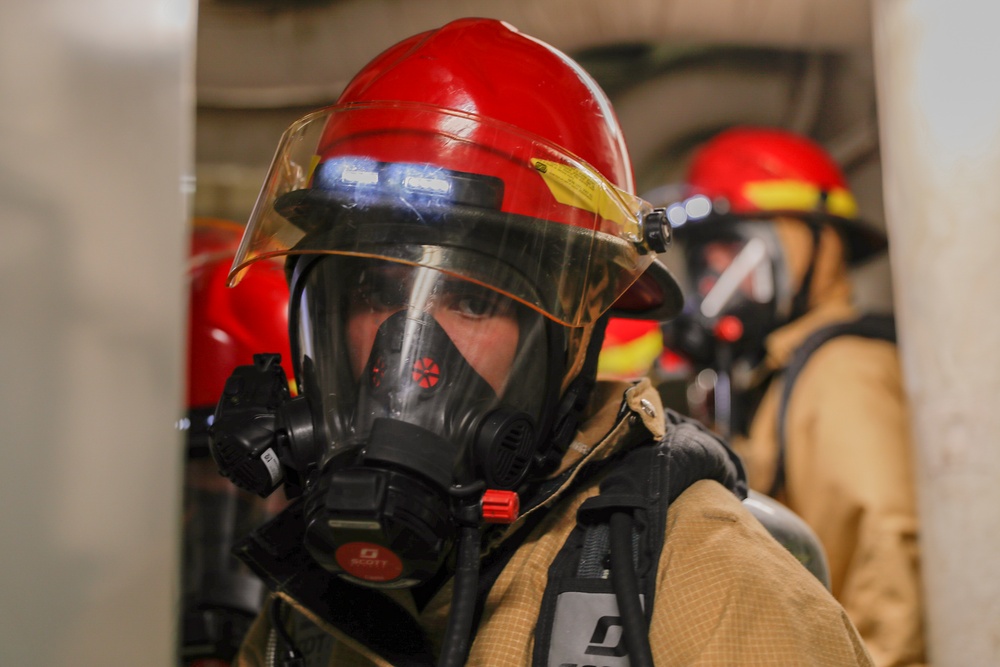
[[728, 594]]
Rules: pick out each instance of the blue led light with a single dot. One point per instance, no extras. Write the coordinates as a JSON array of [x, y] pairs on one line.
[[360, 177], [676, 215], [363, 180], [347, 171], [438, 186], [419, 179], [698, 207]]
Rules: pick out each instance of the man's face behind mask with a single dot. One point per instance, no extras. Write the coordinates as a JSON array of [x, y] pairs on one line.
[[382, 339], [482, 324]]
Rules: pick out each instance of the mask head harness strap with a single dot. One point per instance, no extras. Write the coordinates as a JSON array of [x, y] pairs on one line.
[[574, 401]]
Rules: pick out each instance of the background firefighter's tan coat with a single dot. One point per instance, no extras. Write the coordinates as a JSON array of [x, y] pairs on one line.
[[848, 460]]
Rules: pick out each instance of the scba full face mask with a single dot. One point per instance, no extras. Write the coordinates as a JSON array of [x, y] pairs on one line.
[[431, 390], [425, 403]]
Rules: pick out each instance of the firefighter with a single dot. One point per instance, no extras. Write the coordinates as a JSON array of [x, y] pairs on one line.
[[458, 228], [808, 388], [225, 328]]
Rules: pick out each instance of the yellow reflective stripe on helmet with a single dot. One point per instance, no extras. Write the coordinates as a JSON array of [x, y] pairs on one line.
[[799, 196], [313, 163], [589, 192]]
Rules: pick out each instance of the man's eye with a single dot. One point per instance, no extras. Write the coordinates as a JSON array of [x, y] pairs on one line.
[[480, 303], [390, 296], [380, 295], [476, 306]]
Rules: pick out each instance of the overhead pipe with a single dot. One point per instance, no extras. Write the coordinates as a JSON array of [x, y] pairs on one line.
[[254, 56], [660, 115]]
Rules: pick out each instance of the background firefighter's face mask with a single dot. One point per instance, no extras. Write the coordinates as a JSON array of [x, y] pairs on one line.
[[426, 383], [735, 290]]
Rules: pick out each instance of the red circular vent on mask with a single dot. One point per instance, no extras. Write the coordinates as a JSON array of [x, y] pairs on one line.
[[426, 372]]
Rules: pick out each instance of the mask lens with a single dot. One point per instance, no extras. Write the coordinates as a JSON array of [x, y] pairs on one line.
[[387, 340], [731, 269], [482, 324], [728, 271], [425, 381]]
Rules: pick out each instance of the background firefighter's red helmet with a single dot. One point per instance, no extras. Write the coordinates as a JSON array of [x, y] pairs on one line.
[[226, 327], [754, 172]]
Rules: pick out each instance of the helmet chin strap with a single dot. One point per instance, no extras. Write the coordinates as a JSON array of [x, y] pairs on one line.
[[574, 401]]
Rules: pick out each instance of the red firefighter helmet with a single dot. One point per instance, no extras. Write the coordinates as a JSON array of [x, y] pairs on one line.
[[507, 134], [753, 172], [226, 327]]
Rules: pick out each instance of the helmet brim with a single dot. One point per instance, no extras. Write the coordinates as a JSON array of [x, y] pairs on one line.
[[655, 295], [570, 274], [862, 240]]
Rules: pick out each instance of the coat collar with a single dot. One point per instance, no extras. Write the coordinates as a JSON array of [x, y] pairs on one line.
[[782, 342]]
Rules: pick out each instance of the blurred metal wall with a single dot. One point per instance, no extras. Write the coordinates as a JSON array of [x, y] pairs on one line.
[[939, 112], [96, 145]]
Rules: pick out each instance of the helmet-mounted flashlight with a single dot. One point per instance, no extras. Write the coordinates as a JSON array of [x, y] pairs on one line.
[[656, 230]]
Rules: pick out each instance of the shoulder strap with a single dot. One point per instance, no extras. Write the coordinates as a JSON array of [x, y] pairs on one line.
[[874, 326], [579, 605]]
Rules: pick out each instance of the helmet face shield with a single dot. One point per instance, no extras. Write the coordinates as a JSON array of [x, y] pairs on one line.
[[385, 341], [474, 198]]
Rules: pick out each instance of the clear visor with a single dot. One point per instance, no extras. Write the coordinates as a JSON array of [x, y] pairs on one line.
[[471, 197]]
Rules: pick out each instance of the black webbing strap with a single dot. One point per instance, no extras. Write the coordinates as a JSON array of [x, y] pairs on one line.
[[878, 327], [642, 482]]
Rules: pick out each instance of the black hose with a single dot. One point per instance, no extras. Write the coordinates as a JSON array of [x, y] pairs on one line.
[[458, 635], [286, 653], [626, 586]]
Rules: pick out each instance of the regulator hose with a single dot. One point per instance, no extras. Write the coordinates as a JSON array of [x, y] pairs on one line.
[[458, 635], [626, 587], [286, 654]]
